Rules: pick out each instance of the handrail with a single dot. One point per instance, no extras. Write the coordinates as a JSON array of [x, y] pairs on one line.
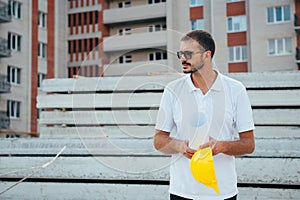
[[4, 120], [4, 50], [4, 84]]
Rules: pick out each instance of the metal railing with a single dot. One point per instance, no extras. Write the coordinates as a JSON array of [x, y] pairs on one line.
[[4, 50], [4, 13], [4, 120], [297, 56], [4, 84]]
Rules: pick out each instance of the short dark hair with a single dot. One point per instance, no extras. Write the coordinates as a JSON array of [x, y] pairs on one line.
[[203, 38]]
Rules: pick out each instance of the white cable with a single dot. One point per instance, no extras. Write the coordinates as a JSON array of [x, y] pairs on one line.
[[37, 170]]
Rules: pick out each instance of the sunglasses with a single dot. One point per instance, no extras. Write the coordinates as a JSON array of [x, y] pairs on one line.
[[187, 54]]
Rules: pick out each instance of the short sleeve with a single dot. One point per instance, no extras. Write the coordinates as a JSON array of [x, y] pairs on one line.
[[165, 119], [244, 117]]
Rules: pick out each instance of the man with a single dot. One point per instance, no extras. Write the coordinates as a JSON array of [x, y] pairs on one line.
[[208, 104]]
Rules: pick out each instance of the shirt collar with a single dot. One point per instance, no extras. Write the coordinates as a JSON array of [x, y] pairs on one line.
[[217, 85]]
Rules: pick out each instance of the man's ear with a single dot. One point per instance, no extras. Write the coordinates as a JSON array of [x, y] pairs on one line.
[[208, 53]]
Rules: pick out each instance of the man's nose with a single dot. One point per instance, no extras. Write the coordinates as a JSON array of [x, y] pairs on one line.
[[182, 58]]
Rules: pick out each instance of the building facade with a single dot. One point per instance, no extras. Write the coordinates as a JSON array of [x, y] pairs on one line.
[[4, 53], [67, 38], [32, 38]]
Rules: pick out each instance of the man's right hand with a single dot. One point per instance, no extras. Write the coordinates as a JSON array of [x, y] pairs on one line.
[[186, 150], [167, 145]]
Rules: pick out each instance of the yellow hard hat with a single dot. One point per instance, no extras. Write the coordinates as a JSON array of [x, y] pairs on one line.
[[203, 169]]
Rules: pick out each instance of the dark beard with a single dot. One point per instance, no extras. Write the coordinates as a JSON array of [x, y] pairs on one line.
[[190, 72], [194, 70]]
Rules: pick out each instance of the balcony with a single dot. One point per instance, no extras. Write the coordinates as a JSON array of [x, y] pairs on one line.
[[4, 15], [297, 56], [83, 8], [296, 23], [4, 50], [143, 12], [4, 85], [136, 68], [4, 120], [135, 41]]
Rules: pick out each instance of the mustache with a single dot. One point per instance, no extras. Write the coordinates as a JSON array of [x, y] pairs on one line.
[[185, 63]]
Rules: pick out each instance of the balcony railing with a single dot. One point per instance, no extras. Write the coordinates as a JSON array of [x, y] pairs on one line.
[[142, 12], [296, 23], [4, 120], [4, 50], [4, 85], [4, 14], [135, 41], [136, 68], [297, 56], [297, 53]]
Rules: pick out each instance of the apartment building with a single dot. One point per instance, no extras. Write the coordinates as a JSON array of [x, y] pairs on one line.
[[66, 38], [85, 30], [4, 52], [250, 35], [30, 38], [141, 36]]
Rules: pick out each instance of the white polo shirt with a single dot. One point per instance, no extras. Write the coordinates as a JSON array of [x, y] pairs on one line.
[[222, 111]]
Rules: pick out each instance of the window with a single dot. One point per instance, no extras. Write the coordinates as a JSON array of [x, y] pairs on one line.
[[124, 4], [79, 19], [237, 53], [85, 18], [14, 9], [91, 44], [74, 20], [125, 31], [279, 14], [96, 16], [69, 20], [85, 42], [79, 45], [281, 46], [69, 46], [41, 50], [157, 27], [156, 1], [236, 23], [13, 109], [74, 46], [41, 77], [42, 20], [14, 42], [125, 59], [13, 75], [197, 24], [196, 3], [159, 55], [91, 18]]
